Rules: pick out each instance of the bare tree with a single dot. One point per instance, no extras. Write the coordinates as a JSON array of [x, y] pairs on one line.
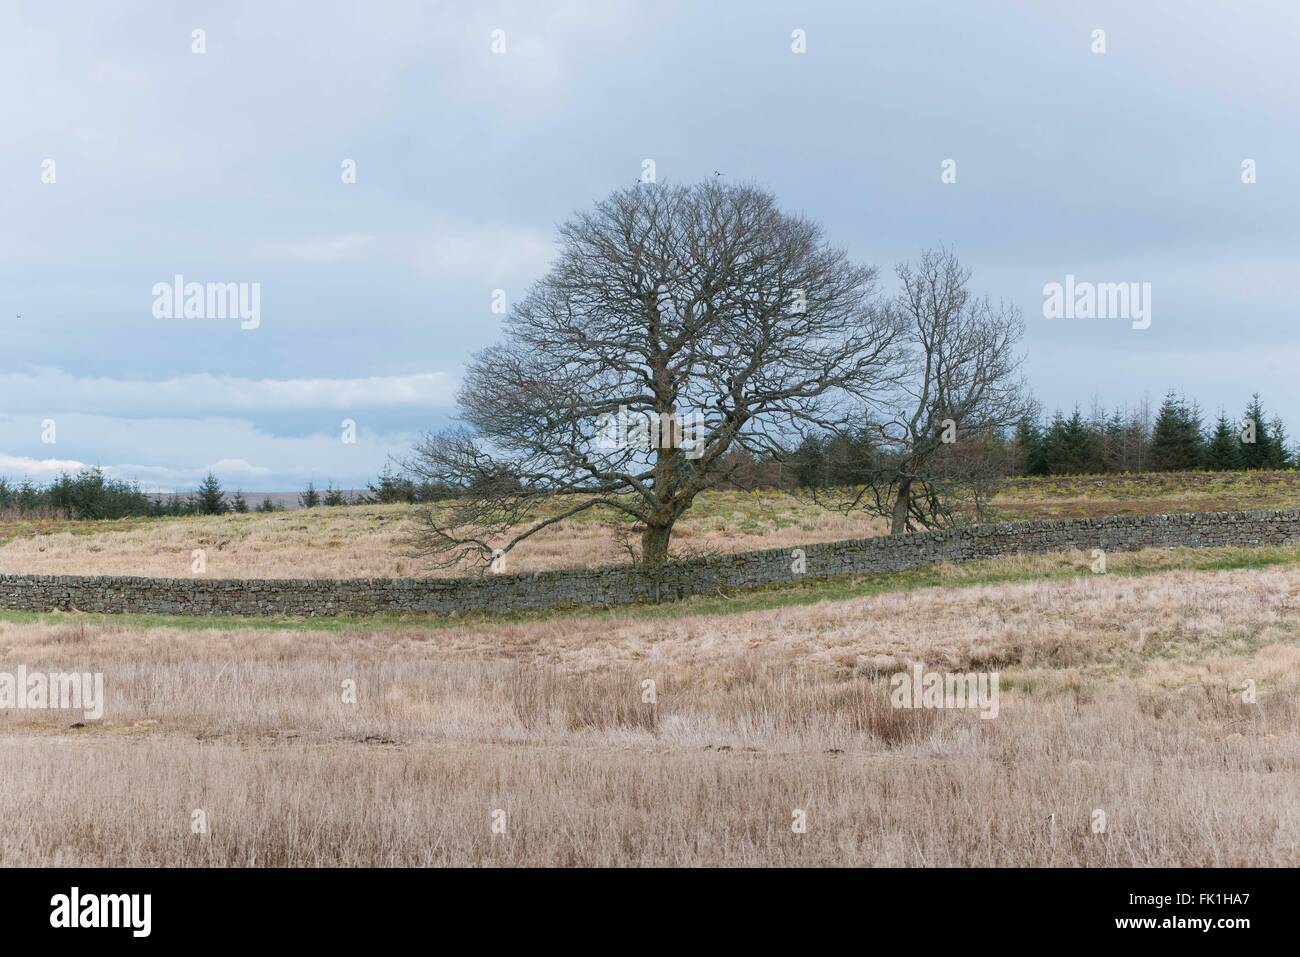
[[678, 323], [931, 444]]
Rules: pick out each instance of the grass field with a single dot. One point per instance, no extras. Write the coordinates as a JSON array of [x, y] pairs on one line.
[[1120, 693], [373, 540], [528, 738], [1147, 493]]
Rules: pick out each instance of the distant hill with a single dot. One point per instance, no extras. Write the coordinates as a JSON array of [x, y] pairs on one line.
[[285, 500]]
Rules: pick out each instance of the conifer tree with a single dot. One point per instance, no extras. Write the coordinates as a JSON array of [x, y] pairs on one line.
[[1278, 449], [1253, 433], [1029, 447], [1223, 451], [1176, 439], [1071, 448], [210, 499]]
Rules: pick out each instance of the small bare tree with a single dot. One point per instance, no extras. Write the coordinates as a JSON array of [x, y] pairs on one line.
[[678, 323], [931, 444]]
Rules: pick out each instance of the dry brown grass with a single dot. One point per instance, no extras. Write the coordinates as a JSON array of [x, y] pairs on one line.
[[1117, 694], [1146, 493], [372, 541]]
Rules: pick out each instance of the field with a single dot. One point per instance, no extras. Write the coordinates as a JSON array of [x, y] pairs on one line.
[[1120, 693], [1145, 494], [374, 540], [529, 739]]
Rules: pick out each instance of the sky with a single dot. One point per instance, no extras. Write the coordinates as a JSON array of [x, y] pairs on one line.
[[135, 150]]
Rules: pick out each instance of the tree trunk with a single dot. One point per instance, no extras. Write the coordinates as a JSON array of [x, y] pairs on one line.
[[902, 506], [654, 555], [654, 545]]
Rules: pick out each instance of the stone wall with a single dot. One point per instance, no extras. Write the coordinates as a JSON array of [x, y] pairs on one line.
[[614, 585]]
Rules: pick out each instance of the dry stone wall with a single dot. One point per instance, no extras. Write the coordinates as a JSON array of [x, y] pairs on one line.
[[615, 585]]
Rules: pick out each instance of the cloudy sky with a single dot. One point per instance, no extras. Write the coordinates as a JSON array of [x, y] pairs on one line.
[[129, 158]]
